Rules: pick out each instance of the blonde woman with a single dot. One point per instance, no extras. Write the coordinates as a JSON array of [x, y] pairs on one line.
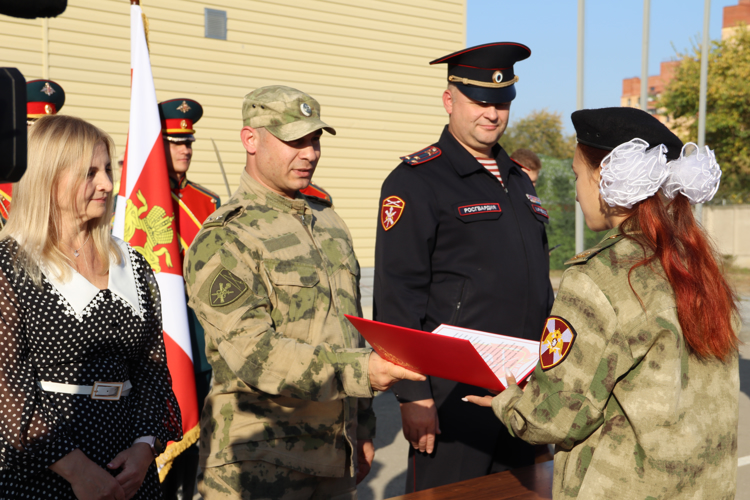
[[85, 390]]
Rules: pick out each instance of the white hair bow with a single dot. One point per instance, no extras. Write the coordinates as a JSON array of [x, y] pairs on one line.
[[632, 173]]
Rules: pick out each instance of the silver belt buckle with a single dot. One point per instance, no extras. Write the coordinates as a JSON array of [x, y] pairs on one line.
[[107, 391]]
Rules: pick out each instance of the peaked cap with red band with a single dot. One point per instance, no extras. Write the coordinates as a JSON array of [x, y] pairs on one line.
[[178, 117], [485, 72], [43, 97]]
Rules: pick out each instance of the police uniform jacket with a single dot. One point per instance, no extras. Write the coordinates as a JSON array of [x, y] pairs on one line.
[[632, 412], [465, 250], [270, 279]]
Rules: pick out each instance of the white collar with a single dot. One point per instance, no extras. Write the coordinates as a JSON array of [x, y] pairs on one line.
[[79, 292]]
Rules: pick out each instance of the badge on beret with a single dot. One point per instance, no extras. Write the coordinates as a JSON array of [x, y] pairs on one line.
[[226, 288], [306, 109], [557, 341], [390, 213]]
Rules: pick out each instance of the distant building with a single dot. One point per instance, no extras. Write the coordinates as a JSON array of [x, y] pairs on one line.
[[734, 15]]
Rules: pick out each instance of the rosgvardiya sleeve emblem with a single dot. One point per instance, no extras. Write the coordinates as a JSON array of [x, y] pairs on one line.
[[557, 341], [391, 211], [226, 288]]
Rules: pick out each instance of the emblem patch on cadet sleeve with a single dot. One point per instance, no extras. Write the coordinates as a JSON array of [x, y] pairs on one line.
[[557, 341], [226, 288], [390, 213]]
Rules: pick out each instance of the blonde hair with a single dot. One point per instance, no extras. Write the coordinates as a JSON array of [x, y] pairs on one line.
[[58, 144]]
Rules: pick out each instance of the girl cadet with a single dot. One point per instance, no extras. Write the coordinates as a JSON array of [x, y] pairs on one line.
[[637, 382]]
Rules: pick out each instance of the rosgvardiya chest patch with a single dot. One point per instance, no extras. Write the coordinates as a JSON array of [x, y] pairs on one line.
[[226, 288], [557, 341], [391, 211]]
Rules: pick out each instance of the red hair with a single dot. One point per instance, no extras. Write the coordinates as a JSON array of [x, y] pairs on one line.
[[705, 301]]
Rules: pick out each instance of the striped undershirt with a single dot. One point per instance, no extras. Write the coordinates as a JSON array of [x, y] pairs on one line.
[[491, 165]]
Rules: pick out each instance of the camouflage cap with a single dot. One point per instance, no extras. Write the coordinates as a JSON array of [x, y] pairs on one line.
[[285, 112]]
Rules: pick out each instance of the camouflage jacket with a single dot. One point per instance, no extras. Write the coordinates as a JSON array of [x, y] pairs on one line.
[[632, 413], [270, 280]]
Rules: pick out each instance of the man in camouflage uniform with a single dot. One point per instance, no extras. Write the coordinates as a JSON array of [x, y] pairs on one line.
[[270, 276]]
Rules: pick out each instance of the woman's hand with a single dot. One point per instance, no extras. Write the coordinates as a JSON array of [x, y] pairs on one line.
[[487, 400], [88, 480], [134, 462]]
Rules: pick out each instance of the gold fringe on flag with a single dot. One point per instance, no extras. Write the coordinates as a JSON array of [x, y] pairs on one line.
[[164, 461], [145, 29]]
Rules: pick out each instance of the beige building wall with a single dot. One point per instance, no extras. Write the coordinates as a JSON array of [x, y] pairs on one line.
[[365, 62], [729, 227]]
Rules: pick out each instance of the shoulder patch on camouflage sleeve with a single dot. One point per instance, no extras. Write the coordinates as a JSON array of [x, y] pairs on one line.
[[557, 341], [425, 155], [226, 288]]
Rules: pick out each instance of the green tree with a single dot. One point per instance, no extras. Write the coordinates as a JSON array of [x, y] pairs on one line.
[[542, 133], [727, 109]]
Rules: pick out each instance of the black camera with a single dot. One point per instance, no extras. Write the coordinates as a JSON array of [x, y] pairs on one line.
[[13, 148]]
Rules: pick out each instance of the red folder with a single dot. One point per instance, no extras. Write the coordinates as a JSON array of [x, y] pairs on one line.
[[429, 353]]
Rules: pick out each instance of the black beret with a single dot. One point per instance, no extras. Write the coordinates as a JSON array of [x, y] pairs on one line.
[[607, 128], [485, 72]]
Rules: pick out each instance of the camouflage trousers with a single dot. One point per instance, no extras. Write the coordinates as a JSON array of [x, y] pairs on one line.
[[264, 481]]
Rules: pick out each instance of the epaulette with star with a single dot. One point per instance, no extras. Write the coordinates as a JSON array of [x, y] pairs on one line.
[[214, 197], [425, 155], [586, 255]]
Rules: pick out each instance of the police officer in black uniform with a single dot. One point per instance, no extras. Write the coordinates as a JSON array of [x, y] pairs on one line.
[[461, 240]]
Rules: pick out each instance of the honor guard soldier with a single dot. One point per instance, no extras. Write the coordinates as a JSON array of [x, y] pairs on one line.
[[461, 240], [192, 205], [43, 97]]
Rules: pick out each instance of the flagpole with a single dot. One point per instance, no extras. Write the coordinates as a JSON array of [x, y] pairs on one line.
[[579, 221], [702, 92]]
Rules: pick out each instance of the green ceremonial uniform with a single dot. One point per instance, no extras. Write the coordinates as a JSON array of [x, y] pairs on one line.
[[270, 279], [632, 413]]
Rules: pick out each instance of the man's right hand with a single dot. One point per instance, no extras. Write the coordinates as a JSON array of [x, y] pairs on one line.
[[383, 374], [420, 424]]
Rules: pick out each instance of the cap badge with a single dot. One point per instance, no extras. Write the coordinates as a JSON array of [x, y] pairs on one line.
[[306, 109], [497, 76], [183, 124], [391, 211], [183, 107], [47, 89], [48, 109]]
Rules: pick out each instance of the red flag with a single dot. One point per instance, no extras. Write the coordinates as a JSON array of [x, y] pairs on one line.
[[145, 218]]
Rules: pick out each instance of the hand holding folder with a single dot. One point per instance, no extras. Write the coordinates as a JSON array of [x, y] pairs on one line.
[[454, 353]]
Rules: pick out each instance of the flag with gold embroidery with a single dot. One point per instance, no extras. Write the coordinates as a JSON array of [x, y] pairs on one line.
[[145, 218]]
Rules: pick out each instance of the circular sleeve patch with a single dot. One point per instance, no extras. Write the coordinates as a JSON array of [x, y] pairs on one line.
[[557, 341], [391, 211]]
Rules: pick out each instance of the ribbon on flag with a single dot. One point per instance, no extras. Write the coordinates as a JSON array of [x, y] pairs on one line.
[[145, 218]]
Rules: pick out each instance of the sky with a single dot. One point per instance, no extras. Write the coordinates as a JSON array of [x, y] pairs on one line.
[[612, 45]]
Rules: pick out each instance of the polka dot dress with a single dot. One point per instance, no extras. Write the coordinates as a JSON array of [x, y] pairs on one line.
[[42, 338]]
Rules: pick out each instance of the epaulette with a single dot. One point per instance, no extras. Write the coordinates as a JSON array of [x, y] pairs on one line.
[[591, 252], [425, 155], [205, 191], [318, 194], [223, 215], [519, 165]]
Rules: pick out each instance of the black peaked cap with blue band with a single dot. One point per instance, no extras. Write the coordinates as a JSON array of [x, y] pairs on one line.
[[607, 128], [485, 72]]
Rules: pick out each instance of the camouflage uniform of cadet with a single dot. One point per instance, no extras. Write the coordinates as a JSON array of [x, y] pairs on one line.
[[270, 279], [633, 415]]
